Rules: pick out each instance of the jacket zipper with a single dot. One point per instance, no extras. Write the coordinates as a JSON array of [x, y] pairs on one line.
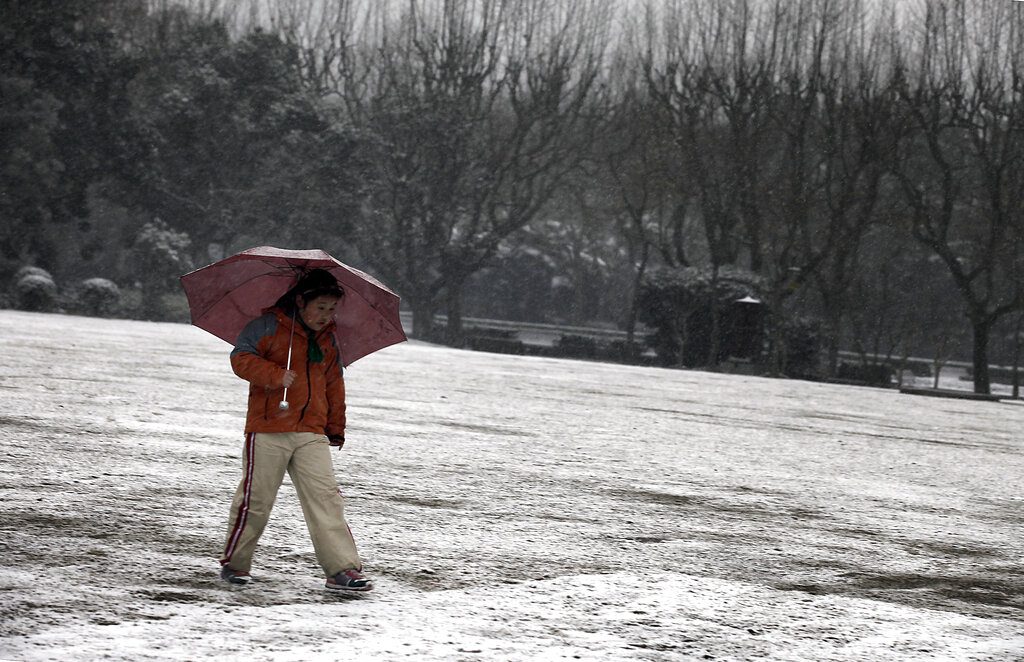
[[309, 385], [266, 397]]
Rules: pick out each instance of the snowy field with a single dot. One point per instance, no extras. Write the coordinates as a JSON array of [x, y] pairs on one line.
[[509, 508]]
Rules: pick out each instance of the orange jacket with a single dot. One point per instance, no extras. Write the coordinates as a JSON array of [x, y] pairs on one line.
[[316, 398]]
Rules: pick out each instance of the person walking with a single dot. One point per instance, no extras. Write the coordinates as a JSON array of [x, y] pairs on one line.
[[296, 413]]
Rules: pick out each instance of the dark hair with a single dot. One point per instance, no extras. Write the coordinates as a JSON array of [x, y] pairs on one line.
[[312, 284]]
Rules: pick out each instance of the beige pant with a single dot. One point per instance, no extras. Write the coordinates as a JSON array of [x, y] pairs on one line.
[[306, 457]]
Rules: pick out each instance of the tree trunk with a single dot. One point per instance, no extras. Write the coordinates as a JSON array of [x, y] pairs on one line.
[[453, 335], [981, 329], [1016, 355], [715, 345], [681, 333], [638, 279], [833, 324], [901, 368], [423, 321], [777, 359]]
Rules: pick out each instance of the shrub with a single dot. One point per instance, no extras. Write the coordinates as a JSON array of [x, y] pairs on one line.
[[873, 374], [625, 352], [36, 292], [173, 307], [492, 344], [131, 302], [677, 303], [802, 338], [99, 297], [31, 271], [158, 256]]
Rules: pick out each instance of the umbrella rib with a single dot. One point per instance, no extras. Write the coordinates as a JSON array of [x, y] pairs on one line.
[[378, 311], [286, 267], [275, 268]]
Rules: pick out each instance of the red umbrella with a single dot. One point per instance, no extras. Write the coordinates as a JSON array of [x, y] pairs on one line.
[[225, 296]]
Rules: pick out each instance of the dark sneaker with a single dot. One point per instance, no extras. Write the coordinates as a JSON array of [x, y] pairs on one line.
[[232, 576], [349, 580]]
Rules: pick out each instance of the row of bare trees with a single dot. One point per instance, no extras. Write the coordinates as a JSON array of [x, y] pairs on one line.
[[816, 143], [799, 128]]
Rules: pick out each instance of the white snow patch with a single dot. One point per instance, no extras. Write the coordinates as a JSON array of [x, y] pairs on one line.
[[509, 508]]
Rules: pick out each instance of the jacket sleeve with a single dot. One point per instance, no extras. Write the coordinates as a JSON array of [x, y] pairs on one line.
[[335, 394], [246, 359]]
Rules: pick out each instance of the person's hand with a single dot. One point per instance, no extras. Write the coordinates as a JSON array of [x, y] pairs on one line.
[[336, 440], [288, 378]]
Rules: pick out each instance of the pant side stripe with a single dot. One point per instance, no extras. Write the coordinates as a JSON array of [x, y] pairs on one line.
[[243, 509]]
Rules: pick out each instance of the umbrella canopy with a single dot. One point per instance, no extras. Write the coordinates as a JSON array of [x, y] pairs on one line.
[[225, 296]]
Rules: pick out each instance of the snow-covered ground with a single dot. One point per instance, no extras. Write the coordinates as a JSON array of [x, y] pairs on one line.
[[509, 508]]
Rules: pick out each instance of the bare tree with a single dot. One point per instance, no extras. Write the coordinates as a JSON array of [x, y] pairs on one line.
[[323, 34], [711, 67], [962, 87], [644, 190], [478, 112], [855, 131]]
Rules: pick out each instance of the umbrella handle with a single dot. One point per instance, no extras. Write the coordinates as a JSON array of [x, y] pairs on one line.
[[284, 398]]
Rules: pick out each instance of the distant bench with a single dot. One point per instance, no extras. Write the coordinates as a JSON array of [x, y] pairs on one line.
[[995, 375], [501, 341], [952, 393]]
